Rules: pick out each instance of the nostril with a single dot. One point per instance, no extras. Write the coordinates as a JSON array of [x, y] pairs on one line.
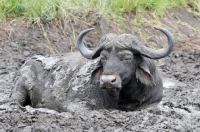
[[101, 80], [113, 80]]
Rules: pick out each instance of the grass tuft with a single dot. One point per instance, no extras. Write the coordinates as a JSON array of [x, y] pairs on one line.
[[37, 10]]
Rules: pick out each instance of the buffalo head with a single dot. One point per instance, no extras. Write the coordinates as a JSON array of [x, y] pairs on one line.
[[123, 69]]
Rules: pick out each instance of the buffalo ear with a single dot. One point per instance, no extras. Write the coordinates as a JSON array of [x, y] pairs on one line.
[[144, 75], [95, 76]]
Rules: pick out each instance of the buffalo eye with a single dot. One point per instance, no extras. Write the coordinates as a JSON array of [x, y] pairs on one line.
[[127, 58], [103, 58]]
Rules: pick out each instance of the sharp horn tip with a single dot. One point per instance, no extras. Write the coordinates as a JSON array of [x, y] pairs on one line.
[[91, 29], [157, 28], [86, 31]]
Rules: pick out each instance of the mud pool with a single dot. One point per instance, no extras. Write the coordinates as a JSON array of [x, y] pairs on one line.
[[179, 109]]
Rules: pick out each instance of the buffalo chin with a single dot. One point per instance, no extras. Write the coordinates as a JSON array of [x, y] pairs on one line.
[[111, 91]]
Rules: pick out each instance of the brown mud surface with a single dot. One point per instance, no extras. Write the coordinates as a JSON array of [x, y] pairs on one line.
[[179, 109]]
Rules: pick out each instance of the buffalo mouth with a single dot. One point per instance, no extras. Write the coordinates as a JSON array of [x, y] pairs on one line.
[[110, 87]]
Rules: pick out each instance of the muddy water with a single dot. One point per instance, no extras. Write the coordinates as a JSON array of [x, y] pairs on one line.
[[179, 109]]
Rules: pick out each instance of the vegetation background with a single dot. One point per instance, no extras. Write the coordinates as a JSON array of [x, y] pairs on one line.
[[35, 10]]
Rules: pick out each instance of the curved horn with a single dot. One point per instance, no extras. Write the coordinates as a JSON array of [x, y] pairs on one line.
[[89, 54], [157, 54]]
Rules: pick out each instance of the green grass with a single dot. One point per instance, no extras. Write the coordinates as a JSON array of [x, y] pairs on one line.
[[34, 10]]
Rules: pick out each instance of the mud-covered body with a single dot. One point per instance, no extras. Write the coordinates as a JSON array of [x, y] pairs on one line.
[[63, 83], [117, 74], [56, 82]]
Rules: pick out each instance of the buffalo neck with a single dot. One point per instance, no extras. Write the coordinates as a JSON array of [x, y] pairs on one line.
[[131, 95]]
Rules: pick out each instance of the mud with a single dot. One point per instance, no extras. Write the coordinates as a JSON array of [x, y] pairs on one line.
[[179, 109]]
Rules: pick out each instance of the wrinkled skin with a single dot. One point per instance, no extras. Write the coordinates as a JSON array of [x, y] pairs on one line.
[[120, 77]]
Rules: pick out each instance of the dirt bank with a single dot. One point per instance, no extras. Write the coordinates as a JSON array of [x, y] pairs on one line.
[[178, 111]]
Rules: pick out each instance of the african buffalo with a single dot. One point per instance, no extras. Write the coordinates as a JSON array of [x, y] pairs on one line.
[[117, 74]]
